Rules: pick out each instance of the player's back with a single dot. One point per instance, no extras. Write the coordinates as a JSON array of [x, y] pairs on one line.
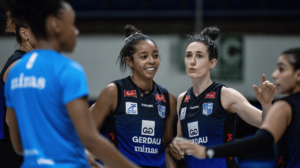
[[39, 88]]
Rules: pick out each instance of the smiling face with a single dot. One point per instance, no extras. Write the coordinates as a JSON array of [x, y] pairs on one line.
[[285, 77], [145, 60], [197, 63]]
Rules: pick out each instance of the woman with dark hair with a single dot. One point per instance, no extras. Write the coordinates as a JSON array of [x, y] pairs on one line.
[[138, 112], [8, 157], [49, 121], [207, 110], [281, 126]]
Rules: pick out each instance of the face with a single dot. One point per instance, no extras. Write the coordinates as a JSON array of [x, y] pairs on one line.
[[145, 59], [284, 76], [69, 31], [197, 63]]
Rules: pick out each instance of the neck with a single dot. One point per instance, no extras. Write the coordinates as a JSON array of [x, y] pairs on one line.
[[200, 84], [295, 90], [144, 84], [50, 44], [25, 46]]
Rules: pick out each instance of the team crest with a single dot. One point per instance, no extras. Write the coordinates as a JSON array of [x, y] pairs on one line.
[[183, 112], [161, 111], [207, 108], [131, 108]]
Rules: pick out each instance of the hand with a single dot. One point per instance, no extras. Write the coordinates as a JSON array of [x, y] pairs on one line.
[[266, 92], [190, 148], [175, 151], [91, 160]]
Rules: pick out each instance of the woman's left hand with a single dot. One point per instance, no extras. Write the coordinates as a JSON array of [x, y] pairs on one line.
[[190, 148], [266, 92]]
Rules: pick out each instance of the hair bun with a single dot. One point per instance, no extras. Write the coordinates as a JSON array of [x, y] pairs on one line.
[[130, 29], [212, 32]]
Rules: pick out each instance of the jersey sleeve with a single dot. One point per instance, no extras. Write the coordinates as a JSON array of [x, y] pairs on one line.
[[73, 82], [7, 93]]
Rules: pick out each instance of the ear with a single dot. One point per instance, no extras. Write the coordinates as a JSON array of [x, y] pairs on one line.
[[23, 34], [297, 75], [55, 25], [212, 63], [129, 62]]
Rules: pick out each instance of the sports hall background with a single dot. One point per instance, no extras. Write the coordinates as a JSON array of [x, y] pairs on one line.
[[253, 34]]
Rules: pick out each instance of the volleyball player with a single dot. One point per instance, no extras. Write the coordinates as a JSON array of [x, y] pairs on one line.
[[138, 112], [207, 110], [46, 92], [281, 126], [8, 157]]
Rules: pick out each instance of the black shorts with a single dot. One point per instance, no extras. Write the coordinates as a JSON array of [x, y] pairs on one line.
[[8, 157]]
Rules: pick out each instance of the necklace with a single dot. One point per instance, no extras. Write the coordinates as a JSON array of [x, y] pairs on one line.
[[142, 94]]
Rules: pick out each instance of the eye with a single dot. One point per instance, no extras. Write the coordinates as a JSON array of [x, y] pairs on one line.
[[156, 55], [144, 56], [188, 55], [280, 69], [199, 56]]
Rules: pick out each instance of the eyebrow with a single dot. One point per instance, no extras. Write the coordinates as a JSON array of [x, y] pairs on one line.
[[196, 52], [280, 64], [145, 52]]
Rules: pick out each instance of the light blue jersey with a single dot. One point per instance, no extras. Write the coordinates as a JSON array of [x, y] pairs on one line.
[[38, 89]]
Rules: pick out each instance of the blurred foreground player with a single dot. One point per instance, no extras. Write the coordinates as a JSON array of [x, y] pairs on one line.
[[46, 92], [281, 126], [138, 112], [8, 157]]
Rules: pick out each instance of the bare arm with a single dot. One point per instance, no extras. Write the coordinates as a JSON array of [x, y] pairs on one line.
[[95, 143], [106, 102], [174, 148], [12, 123], [274, 126], [168, 134]]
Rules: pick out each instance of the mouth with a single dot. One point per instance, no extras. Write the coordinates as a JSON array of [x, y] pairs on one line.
[[150, 69], [192, 69]]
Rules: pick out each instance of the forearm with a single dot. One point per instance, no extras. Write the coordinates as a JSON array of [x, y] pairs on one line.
[[261, 141], [170, 163], [265, 109], [103, 150]]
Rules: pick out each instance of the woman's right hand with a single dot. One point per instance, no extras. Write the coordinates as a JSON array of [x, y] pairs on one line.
[[175, 151]]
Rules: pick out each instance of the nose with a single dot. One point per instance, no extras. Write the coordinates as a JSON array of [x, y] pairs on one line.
[[76, 31], [193, 61], [151, 60]]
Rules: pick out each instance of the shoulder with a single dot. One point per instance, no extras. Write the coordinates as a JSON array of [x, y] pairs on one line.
[[230, 94], [110, 91], [180, 97]]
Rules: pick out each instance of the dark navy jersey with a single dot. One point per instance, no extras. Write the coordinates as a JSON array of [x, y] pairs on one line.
[[204, 121], [288, 147], [4, 134], [137, 125]]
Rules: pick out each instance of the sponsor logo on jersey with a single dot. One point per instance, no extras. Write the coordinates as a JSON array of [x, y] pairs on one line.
[[148, 127], [207, 108], [194, 107], [161, 111], [228, 140], [199, 140], [28, 82], [183, 112], [186, 99], [147, 141], [43, 161], [147, 105], [193, 129], [129, 93], [160, 98], [210, 95], [131, 108]]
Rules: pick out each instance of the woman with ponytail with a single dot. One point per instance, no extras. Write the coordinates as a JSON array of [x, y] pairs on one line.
[[138, 112], [207, 111], [46, 94], [8, 157]]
